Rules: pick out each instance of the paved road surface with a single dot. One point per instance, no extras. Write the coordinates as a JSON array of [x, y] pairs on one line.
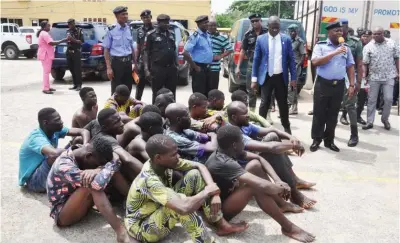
[[357, 191]]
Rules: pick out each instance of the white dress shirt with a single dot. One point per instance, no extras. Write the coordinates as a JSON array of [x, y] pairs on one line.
[[278, 52]]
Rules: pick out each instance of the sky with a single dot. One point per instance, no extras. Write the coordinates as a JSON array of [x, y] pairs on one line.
[[220, 6]]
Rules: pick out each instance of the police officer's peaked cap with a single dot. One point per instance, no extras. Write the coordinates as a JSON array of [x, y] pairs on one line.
[[120, 9], [70, 21], [254, 15], [344, 21], [333, 25], [367, 32], [145, 12], [201, 18], [163, 17], [293, 27]]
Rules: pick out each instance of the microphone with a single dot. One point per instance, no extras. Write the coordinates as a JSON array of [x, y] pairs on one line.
[[341, 41]]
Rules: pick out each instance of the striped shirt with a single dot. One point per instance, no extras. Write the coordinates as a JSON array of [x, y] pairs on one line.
[[220, 44]]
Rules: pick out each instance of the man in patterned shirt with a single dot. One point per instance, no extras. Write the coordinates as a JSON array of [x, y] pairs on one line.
[[381, 63], [221, 48], [128, 107], [191, 145], [155, 204], [78, 179]]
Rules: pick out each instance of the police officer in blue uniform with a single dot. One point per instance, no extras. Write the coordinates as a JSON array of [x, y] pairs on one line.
[[160, 57], [146, 17], [198, 52], [333, 61], [119, 51]]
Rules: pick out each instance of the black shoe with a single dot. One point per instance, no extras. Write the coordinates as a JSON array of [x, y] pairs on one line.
[[73, 87], [315, 145], [380, 112], [361, 121], [330, 145], [386, 125], [78, 88], [344, 121], [47, 92], [287, 130], [353, 141], [52, 89], [310, 113], [367, 126]]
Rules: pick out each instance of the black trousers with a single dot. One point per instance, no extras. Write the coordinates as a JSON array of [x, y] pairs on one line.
[[328, 96], [141, 85], [122, 74], [201, 81], [396, 91], [214, 82], [275, 83], [282, 166], [75, 67], [163, 77], [361, 98]]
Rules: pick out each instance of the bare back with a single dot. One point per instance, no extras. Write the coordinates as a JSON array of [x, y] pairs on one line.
[[82, 117]]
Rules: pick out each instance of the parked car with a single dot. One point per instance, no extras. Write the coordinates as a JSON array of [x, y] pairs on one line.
[[92, 50], [239, 28], [14, 42], [181, 36]]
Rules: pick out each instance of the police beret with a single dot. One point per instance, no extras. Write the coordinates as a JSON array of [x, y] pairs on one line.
[[145, 12], [201, 18], [293, 27], [367, 32], [70, 21], [254, 15], [344, 21], [120, 9], [333, 25], [163, 17]]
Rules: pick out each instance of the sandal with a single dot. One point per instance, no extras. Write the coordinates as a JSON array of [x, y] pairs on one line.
[[47, 92], [51, 89]]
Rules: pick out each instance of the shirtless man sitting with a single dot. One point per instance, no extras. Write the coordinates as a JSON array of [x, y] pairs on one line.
[[88, 111], [150, 123], [131, 129]]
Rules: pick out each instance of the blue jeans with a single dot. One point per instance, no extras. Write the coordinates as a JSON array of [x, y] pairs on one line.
[[37, 181]]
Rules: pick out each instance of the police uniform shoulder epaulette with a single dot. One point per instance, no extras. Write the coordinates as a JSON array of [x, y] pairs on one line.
[[151, 32], [354, 38], [195, 33], [248, 32], [345, 44], [322, 42], [111, 27]]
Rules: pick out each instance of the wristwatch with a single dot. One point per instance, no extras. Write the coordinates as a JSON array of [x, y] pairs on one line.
[[351, 85]]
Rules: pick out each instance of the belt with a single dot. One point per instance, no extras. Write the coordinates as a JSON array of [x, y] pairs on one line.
[[206, 65], [333, 82], [122, 59]]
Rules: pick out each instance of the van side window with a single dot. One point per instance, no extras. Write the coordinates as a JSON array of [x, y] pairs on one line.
[[5, 29]]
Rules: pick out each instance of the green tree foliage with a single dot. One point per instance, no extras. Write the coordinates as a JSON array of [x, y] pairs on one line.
[[265, 7], [224, 20]]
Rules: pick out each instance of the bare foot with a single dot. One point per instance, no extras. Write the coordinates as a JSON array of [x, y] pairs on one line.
[[292, 208], [123, 237], [301, 184], [301, 200], [298, 234], [225, 228]]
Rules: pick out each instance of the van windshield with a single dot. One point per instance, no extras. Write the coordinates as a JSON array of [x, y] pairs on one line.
[[284, 27]]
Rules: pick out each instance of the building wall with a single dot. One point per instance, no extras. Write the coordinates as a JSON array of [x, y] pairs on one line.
[[61, 10]]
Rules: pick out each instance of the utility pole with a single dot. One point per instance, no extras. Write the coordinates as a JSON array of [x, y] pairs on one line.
[[279, 8]]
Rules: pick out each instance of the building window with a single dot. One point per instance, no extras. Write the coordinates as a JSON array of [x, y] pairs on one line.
[[104, 20], [84, 19], [11, 21], [95, 20]]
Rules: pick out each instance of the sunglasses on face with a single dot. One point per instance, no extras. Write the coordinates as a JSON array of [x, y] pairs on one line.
[[255, 20]]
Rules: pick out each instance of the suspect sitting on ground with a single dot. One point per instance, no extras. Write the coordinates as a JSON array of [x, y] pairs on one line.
[[127, 106], [78, 179], [201, 119], [39, 150], [191, 145], [88, 111], [238, 185], [155, 205]]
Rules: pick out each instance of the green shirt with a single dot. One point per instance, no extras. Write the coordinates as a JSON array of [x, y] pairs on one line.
[[298, 49], [356, 48]]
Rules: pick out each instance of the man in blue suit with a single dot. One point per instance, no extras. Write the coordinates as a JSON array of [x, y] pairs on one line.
[[273, 60]]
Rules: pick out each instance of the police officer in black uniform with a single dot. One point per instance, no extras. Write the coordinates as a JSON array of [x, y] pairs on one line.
[[160, 57], [74, 44], [141, 34], [248, 45]]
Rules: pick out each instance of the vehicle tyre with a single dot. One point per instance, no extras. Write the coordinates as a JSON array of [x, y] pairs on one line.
[[11, 52], [103, 76], [57, 74], [225, 75], [29, 55]]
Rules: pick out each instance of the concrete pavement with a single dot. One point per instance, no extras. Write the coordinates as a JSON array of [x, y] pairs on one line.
[[357, 190]]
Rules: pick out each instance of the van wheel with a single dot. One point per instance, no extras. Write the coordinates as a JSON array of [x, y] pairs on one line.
[[103, 76], [57, 74], [11, 52]]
